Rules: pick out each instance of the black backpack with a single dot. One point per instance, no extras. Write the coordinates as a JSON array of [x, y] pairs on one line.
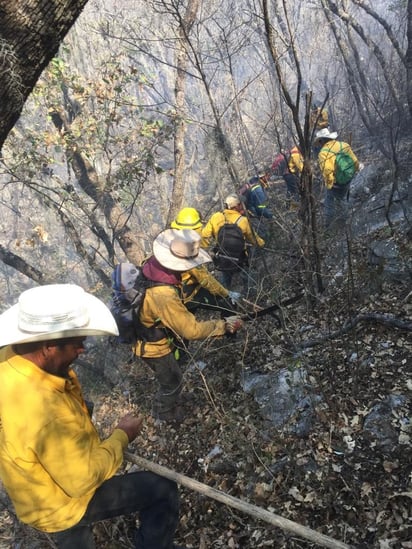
[[230, 249], [129, 287]]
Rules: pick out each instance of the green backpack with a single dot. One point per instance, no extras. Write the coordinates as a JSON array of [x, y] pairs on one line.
[[345, 168]]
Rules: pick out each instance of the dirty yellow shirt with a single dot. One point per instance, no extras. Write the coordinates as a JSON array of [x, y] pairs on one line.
[[231, 216], [162, 305], [295, 163], [327, 160], [51, 457], [319, 117], [200, 277]]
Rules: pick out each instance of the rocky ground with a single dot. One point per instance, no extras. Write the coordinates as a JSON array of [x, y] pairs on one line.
[[345, 481]]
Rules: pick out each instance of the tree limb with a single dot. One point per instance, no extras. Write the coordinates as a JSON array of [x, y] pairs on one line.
[[18, 263], [248, 508], [379, 318]]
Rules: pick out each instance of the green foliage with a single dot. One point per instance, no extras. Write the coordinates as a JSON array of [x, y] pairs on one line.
[[102, 118], [104, 121]]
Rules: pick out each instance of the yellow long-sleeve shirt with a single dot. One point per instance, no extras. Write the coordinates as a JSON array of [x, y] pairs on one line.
[[198, 278], [51, 457], [319, 117], [218, 219], [327, 160], [162, 305], [295, 163]]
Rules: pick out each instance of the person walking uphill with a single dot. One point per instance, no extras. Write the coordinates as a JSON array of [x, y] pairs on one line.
[[200, 288], [230, 250], [338, 165], [166, 317], [289, 166], [59, 474], [255, 197], [292, 177]]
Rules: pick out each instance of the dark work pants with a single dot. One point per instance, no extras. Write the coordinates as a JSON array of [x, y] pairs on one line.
[[292, 187], [170, 380], [226, 277], [153, 497], [335, 206]]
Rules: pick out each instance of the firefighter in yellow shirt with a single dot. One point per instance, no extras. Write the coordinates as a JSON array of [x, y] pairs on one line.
[[200, 288], [59, 474], [292, 177], [174, 252], [337, 183], [232, 256], [319, 117]]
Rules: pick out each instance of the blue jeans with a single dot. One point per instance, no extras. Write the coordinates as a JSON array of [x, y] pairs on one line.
[[335, 206], [155, 499]]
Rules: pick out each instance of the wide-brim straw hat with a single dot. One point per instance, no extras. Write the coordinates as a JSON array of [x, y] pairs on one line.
[[179, 250], [55, 311], [325, 133]]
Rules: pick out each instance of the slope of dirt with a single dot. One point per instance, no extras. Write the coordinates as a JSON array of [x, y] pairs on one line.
[[336, 481]]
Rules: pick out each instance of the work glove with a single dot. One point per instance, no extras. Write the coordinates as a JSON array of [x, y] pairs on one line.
[[233, 324], [234, 297]]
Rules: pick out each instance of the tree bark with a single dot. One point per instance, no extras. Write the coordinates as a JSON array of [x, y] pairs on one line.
[[309, 233], [18, 263], [30, 34], [408, 57], [185, 25]]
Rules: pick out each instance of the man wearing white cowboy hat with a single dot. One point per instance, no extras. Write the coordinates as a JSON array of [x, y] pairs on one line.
[[338, 165], [174, 252], [59, 474]]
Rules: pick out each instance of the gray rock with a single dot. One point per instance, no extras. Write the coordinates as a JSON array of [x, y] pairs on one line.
[[286, 399]]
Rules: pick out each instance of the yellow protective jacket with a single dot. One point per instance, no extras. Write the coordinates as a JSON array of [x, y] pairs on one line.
[[319, 118], [218, 219], [327, 160], [295, 163], [51, 457], [198, 278], [163, 306]]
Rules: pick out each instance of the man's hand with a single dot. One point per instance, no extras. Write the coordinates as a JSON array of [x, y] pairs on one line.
[[131, 425], [233, 324]]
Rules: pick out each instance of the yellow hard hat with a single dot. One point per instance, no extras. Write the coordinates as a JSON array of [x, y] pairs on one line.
[[187, 218]]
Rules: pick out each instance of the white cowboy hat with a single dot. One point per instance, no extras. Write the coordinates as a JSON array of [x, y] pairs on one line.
[[179, 250], [325, 133], [55, 311]]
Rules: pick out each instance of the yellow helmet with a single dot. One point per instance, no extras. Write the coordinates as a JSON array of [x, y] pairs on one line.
[[187, 218]]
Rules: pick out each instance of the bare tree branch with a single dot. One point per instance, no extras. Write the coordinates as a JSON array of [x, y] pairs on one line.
[[378, 318]]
